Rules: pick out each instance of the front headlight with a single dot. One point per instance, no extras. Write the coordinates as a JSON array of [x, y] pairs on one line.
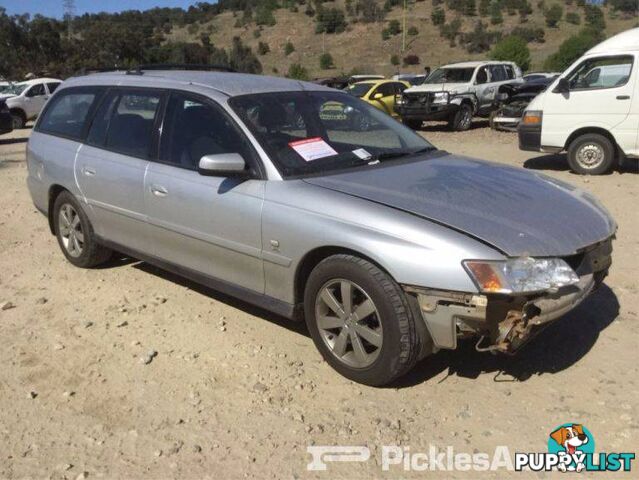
[[532, 117], [521, 275], [440, 97]]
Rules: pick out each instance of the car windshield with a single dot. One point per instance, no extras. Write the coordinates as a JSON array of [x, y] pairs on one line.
[[15, 88], [359, 89], [316, 132], [451, 75]]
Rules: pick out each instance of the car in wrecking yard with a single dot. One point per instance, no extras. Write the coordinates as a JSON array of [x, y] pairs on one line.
[[456, 93], [387, 247], [512, 99], [379, 93]]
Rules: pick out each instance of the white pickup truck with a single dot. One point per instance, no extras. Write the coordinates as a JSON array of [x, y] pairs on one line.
[[26, 99]]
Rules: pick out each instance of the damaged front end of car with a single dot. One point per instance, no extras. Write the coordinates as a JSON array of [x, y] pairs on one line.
[[517, 299]]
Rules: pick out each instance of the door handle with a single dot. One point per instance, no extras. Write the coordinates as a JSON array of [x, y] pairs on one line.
[[159, 191], [89, 172], [623, 97]]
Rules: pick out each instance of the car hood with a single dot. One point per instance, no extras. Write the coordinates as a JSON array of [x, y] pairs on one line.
[[5, 96], [514, 210]]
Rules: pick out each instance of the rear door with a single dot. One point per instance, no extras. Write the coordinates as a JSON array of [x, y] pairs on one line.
[[387, 100], [602, 90], [207, 224], [110, 168]]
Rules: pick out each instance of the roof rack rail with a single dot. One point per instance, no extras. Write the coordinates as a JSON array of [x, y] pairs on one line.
[[86, 71], [139, 69]]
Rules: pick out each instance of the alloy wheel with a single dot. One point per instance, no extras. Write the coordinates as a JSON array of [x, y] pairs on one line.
[[348, 323], [70, 228]]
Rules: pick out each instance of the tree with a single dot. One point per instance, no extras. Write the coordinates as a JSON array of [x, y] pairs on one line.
[[496, 17], [570, 50], [326, 61], [394, 60], [625, 6], [264, 15], [330, 20], [484, 8], [480, 39], [553, 15], [411, 59], [263, 48], [573, 17], [412, 31], [512, 49], [394, 27], [297, 72], [289, 48], [594, 17], [242, 58], [438, 17]]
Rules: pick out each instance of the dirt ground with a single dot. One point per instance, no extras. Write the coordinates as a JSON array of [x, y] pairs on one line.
[[236, 392]]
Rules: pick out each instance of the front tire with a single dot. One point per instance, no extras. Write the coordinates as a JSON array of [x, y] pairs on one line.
[[360, 320], [18, 120], [591, 154], [462, 119], [413, 124], [75, 233]]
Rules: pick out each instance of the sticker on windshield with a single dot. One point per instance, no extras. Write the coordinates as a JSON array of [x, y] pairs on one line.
[[361, 153], [312, 148]]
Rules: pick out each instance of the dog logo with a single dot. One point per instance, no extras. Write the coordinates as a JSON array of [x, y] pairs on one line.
[[572, 441]]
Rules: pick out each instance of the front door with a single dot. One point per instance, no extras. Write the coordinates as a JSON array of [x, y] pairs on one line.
[[34, 100], [207, 224], [110, 169], [601, 93]]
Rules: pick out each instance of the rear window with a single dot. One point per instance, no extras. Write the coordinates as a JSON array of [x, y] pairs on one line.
[[131, 126], [68, 112]]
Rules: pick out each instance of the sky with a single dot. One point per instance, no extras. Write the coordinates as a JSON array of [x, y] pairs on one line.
[[54, 8]]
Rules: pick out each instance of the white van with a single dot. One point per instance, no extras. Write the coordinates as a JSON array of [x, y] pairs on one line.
[[591, 110]]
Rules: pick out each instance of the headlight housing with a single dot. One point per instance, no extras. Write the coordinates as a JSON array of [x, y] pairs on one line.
[[532, 117], [439, 98], [521, 275]]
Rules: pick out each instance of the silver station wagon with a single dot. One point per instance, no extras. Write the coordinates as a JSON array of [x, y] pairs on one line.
[[270, 190]]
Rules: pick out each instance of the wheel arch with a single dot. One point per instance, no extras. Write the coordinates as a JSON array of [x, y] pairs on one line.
[[312, 258], [54, 191], [19, 111], [586, 130]]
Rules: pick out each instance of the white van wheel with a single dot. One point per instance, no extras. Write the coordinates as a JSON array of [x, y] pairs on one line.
[[591, 154]]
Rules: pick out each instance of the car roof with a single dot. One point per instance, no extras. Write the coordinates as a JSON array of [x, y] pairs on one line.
[[624, 42], [34, 81], [473, 64], [231, 84]]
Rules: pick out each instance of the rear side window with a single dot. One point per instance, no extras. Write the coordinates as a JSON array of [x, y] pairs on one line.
[[36, 90], [53, 86], [68, 113], [130, 128], [510, 73], [497, 73]]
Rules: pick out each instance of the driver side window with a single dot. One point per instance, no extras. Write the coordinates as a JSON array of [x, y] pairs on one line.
[[601, 72], [36, 90]]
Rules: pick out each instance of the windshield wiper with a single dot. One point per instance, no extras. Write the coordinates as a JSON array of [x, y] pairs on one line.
[[380, 157]]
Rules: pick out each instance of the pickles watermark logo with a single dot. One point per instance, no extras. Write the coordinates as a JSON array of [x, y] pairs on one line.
[[571, 448]]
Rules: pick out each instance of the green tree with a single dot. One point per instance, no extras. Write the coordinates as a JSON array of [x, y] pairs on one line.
[[553, 15], [438, 16], [330, 20], [570, 50], [484, 8], [326, 61], [394, 60], [496, 17], [297, 72], [625, 6], [573, 17], [394, 27], [512, 49], [412, 31], [289, 48]]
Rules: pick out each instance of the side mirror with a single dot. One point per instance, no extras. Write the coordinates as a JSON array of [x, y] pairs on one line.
[[563, 86], [378, 96], [222, 165]]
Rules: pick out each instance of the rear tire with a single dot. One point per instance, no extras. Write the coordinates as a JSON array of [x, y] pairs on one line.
[[591, 154], [413, 124], [361, 321], [75, 233], [462, 119], [18, 119]]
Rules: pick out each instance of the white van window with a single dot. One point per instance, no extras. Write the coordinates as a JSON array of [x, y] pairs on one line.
[[601, 72]]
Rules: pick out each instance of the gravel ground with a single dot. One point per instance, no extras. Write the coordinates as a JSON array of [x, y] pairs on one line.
[[130, 372]]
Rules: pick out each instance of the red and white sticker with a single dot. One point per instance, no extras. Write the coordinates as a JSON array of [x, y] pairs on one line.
[[312, 148]]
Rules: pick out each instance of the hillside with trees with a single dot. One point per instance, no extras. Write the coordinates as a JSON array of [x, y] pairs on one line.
[[311, 38]]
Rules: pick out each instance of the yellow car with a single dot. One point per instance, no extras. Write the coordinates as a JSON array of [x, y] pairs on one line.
[[379, 93]]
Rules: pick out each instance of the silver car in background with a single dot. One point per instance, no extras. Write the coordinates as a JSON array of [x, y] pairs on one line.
[[266, 189]]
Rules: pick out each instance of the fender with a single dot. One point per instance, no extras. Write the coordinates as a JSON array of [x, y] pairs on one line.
[[461, 97]]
